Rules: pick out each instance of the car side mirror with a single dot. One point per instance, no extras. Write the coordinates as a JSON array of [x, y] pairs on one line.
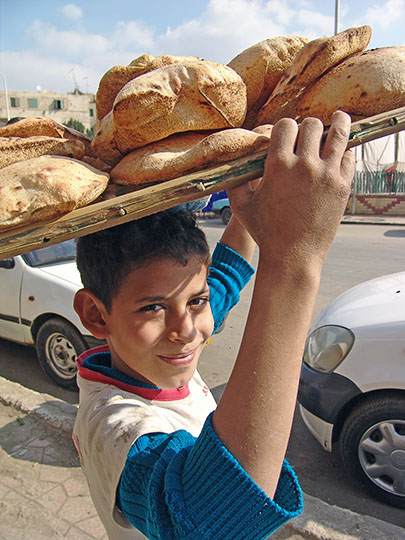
[[7, 263]]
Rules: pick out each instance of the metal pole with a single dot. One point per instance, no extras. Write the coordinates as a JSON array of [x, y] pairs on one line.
[[6, 95], [337, 16]]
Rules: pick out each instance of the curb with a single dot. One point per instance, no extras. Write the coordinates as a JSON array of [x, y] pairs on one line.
[[319, 521]]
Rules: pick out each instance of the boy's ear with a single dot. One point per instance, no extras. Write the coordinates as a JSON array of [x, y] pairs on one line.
[[90, 310]]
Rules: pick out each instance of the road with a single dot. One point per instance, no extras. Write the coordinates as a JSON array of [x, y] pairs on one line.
[[358, 253]]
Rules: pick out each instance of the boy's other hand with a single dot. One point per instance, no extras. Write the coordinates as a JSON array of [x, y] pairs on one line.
[[297, 207]]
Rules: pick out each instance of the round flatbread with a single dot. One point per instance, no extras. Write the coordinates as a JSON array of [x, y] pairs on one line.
[[261, 67], [187, 96], [14, 149], [118, 76], [311, 62], [362, 86], [46, 127], [188, 152], [46, 187]]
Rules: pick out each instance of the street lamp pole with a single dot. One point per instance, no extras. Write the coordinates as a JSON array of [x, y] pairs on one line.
[[337, 3], [6, 95]]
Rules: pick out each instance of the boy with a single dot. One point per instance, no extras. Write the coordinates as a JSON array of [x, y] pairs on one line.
[[157, 458]]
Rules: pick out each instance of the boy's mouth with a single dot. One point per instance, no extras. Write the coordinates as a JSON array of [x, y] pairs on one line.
[[179, 360]]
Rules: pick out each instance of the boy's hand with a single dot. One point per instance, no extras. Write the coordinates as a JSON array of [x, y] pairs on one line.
[[297, 207]]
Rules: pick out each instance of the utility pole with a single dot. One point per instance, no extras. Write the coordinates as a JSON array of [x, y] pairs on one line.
[[337, 3]]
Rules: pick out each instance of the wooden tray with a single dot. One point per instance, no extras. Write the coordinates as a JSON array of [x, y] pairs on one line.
[[128, 204]]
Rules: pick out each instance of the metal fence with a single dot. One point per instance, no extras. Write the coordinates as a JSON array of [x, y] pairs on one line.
[[379, 182]]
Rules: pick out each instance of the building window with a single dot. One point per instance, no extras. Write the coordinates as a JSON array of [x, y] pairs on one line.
[[91, 112], [14, 101], [32, 103], [57, 104]]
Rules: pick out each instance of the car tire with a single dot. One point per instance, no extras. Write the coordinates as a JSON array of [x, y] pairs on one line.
[[58, 344], [226, 214], [372, 447]]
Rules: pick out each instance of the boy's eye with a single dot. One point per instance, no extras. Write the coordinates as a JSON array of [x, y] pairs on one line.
[[200, 302], [151, 307]]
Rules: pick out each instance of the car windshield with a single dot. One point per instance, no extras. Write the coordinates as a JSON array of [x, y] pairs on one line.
[[65, 251]]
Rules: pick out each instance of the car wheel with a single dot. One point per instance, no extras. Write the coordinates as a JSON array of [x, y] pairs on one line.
[[372, 448], [226, 215], [58, 344]]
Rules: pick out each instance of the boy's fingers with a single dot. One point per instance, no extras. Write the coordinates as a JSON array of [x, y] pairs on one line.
[[337, 138], [283, 137], [348, 165], [309, 137]]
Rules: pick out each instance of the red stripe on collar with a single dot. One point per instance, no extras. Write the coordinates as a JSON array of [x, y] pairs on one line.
[[153, 394]]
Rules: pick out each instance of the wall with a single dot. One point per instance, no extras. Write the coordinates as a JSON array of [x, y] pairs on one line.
[[60, 107], [377, 204]]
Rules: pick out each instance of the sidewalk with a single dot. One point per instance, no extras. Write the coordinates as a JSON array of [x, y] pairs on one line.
[[374, 219], [44, 495]]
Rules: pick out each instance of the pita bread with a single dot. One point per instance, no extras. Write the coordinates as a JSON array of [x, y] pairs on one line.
[[187, 152], [187, 96], [46, 187], [261, 67], [365, 85], [47, 127], [118, 76], [311, 62], [104, 144], [14, 149]]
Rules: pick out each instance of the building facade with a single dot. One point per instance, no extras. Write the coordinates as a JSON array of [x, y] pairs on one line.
[[61, 107]]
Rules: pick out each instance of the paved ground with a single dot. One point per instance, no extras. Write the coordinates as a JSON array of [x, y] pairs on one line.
[[44, 495], [42, 489]]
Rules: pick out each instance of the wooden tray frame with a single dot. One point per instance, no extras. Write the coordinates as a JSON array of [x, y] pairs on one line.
[[128, 204]]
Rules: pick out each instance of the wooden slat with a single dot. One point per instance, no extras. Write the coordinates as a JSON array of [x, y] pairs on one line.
[[141, 202]]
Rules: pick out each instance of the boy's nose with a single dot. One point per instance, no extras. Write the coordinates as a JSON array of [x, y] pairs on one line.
[[181, 328]]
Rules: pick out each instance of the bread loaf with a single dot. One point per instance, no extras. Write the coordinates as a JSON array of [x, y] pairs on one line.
[[46, 187], [46, 127], [14, 149], [183, 153], [118, 76], [261, 67], [187, 96], [311, 63], [365, 85]]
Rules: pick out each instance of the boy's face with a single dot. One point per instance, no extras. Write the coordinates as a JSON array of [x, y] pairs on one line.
[[160, 321]]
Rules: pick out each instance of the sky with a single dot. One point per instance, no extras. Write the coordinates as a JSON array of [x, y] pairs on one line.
[[59, 45]]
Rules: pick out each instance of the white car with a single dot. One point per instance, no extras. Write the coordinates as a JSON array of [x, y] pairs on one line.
[[352, 387], [37, 291]]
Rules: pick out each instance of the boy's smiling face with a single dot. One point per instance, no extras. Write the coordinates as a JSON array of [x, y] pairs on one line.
[[160, 321]]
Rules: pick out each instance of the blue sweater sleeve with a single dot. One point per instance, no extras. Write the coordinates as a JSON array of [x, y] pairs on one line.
[[229, 273], [175, 486]]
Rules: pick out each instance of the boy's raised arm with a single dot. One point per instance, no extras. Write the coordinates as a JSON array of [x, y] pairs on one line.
[[237, 237], [293, 216]]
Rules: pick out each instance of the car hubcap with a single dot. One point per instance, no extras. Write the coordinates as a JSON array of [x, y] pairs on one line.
[[382, 455], [62, 355]]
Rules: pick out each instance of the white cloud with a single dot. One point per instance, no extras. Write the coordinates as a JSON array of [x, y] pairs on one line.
[[72, 11], [65, 43], [222, 30], [382, 16], [132, 34]]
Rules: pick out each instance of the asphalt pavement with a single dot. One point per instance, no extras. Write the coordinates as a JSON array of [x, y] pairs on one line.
[[44, 495]]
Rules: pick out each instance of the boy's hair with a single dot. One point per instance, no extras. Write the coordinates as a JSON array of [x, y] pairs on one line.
[[105, 258]]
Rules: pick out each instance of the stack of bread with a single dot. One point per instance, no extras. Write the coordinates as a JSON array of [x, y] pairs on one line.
[[166, 116]]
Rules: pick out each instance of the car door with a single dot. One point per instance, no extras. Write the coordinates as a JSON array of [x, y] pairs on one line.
[[11, 272]]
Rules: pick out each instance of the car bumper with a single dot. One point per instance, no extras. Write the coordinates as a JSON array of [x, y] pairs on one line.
[[321, 430], [324, 395]]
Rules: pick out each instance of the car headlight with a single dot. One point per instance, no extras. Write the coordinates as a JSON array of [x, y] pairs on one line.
[[327, 346]]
